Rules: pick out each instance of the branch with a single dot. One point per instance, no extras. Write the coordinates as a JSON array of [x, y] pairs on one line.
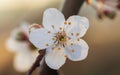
[[72, 7]]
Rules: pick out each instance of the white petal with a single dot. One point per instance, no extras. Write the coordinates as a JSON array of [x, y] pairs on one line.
[[41, 38], [77, 27], [84, 22], [16, 46], [25, 28], [53, 19], [78, 51], [55, 58], [23, 62]]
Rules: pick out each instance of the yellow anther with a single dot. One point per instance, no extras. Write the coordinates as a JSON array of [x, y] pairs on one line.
[[73, 50], [69, 23], [65, 23], [59, 48], [53, 38], [77, 34], [48, 31], [72, 34], [47, 44], [78, 39], [52, 48], [60, 28], [53, 26], [71, 44], [69, 38]]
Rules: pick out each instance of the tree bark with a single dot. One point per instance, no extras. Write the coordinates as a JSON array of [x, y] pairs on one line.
[[71, 7]]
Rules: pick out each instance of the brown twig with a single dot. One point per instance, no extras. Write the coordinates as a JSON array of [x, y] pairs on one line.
[[37, 62]]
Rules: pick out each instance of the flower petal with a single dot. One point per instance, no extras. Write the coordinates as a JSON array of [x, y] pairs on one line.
[[77, 26], [20, 58], [16, 46], [53, 19], [25, 28], [41, 38], [55, 57], [77, 51]]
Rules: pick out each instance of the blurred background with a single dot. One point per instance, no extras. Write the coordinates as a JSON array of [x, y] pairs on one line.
[[103, 37]]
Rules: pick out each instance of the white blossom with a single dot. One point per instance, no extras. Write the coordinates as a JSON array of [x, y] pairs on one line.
[[61, 38], [19, 43]]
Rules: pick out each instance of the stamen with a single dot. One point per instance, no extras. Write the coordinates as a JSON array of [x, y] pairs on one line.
[[47, 44], [53, 26], [65, 23], [60, 28], [69, 38], [77, 34], [78, 39], [56, 44], [73, 50], [52, 48], [71, 44], [48, 31], [59, 48], [53, 38], [72, 34], [69, 23]]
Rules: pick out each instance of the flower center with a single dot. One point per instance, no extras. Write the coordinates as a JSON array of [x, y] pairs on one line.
[[61, 37]]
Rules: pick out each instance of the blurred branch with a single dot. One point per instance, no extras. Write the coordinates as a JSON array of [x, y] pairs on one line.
[[45, 70], [72, 7]]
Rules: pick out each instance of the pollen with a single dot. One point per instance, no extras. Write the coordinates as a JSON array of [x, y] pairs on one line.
[[78, 39], [65, 23], [52, 26], [59, 48], [53, 38], [73, 50], [47, 44], [69, 38], [71, 44], [48, 31], [56, 44], [77, 34], [60, 28], [52, 48], [72, 34]]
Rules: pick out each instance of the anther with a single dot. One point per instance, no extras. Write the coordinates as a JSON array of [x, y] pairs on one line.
[[69, 23], [65, 22], [53, 26], [60, 28], [47, 44], [72, 34], [77, 34], [59, 48], [48, 31], [71, 44], [78, 39], [52, 48], [73, 50]]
